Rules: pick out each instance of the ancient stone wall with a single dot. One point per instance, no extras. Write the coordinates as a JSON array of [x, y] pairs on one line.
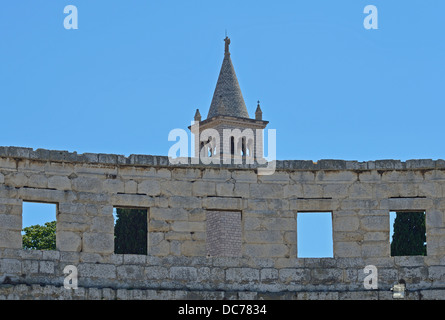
[[259, 257]]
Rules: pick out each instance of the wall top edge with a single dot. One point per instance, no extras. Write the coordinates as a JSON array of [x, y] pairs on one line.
[[163, 161]]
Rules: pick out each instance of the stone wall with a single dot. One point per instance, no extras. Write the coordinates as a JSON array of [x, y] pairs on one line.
[[180, 198]]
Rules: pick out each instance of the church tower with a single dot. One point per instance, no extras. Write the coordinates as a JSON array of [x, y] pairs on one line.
[[228, 133]]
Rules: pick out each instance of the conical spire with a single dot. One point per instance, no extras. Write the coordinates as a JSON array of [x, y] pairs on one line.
[[228, 90], [258, 112], [197, 115]]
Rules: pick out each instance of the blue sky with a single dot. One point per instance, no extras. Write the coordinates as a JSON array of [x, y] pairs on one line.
[[135, 70]]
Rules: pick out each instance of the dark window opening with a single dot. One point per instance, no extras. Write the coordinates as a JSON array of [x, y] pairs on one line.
[[408, 234], [130, 231], [243, 147]]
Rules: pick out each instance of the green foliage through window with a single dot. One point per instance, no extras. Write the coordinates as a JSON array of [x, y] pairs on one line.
[[39, 237]]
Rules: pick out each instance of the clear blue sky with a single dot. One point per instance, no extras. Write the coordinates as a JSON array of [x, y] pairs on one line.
[[134, 70]]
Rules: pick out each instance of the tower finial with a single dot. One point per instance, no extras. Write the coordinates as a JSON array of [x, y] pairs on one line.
[[227, 41], [258, 112], [197, 116]]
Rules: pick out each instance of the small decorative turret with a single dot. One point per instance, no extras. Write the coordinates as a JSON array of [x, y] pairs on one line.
[[258, 112], [197, 116]]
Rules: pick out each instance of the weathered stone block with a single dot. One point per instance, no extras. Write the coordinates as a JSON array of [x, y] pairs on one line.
[[375, 223], [168, 214], [188, 274], [10, 266], [269, 275], [266, 191], [265, 236], [361, 191], [266, 250], [46, 267], [158, 226], [188, 226], [11, 222], [434, 219], [222, 203], [388, 164], [149, 187], [295, 275], [16, 179], [30, 266], [184, 202], [98, 242], [59, 183], [114, 186], [346, 223], [176, 188], [436, 273], [355, 204], [276, 177], [326, 276], [312, 190], [401, 204], [242, 190], [335, 190], [302, 176], [131, 186], [68, 241], [314, 205], [102, 224], [376, 236], [369, 176], [97, 270], [86, 184], [242, 275], [156, 273], [225, 189], [203, 188], [350, 249], [419, 163], [339, 176], [10, 239], [133, 272], [190, 248], [132, 200], [375, 249]]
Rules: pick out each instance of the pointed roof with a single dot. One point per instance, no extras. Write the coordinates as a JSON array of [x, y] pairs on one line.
[[258, 112], [197, 115], [227, 91]]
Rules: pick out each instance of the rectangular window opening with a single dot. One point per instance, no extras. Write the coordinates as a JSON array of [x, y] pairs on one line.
[[130, 230], [407, 233], [314, 235], [39, 226]]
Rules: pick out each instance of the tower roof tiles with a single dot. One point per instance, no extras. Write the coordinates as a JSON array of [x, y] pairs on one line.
[[227, 91]]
